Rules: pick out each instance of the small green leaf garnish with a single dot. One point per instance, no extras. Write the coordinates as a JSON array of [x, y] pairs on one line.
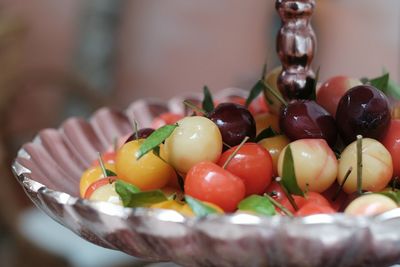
[[255, 91], [394, 195], [110, 173], [266, 133], [208, 103], [289, 176], [155, 139], [257, 204], [125, 191], [132, 197], [393, 89], [199, 208], [380, 82]]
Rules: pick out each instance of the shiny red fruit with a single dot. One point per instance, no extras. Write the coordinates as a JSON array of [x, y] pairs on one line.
[[165, 118], [363, 110], [209, 182], [107, 157], [312, 208], [305, 119], [253, 164]]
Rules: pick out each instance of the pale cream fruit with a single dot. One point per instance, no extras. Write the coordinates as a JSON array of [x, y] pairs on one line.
[[106, 193], [370, 205], [377, 166], [271, 79], [315, 164], [196, 139]]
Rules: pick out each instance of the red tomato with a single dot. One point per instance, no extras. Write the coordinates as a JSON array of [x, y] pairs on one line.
[[314, 208], [253, 164], [165, 118], [97, 184], [392, 143], [208, 182], [107, 157]]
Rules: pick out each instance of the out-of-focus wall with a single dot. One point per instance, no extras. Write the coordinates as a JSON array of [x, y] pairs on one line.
[[169, 47], [358, 37]]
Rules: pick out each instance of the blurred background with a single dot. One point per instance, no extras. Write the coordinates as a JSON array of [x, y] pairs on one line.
[[63, 58]]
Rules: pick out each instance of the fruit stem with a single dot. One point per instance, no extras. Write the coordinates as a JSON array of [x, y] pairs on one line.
[[340, 189], [231, 156], [287, 194], [194, 107], [278, 205], [359, 164], [103, 168], [135, 129], [275, 94]]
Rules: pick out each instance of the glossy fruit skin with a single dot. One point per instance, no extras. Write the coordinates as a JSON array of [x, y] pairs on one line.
[[363, 110], [370, 205], [196, 139], [252, 164], [165, 118], [234, 121], [392, 143], [302, 119], [91, 175], [377, 166], [330, 92], [206, 181], [147, 173], [312, 208], [107, 157], [275, 145], [97, 184], [104, 190], [315, 164], [142, 134]]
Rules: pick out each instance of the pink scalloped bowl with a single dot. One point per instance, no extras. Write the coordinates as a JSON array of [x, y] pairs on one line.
[[49, 169]]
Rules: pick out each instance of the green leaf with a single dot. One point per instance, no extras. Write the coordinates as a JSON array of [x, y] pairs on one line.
[[110, 173], [257, 89], [155, 139], [266, 133], [125, 191], [289, 180], [257, 204], [208, 103], [199, 208], [393, 89], [144, 199], [394, 195], [381, 82], [314, 89]]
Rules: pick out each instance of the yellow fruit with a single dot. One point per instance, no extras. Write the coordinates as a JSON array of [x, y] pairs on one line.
[[275, 145], [91, 175], [148, 173]]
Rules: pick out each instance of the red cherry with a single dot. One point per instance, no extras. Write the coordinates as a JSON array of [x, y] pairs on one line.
[[107, 157], [314, 208], [165, 118], [209, 182], [253, 164]]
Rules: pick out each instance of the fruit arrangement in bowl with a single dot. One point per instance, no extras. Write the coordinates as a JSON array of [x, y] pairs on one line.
[[233, 179]]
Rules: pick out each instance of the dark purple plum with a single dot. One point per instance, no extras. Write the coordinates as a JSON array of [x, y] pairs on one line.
[[302, 119], [142, 133], [234, 121], [363, 110]]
